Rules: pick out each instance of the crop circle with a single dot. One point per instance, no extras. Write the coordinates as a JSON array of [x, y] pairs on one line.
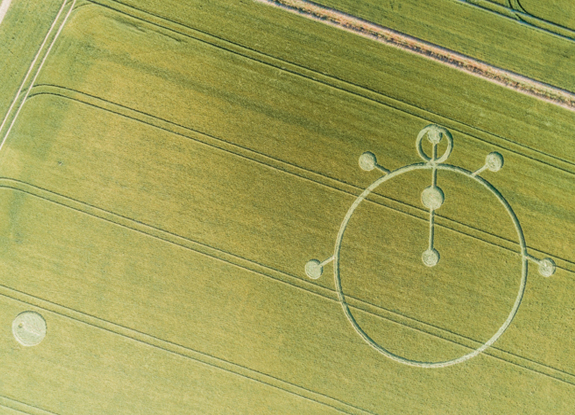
[[434, 134], [367, 161], [432, 197], [29, 328], [494, 161], [429, 258], [547, 267], [313, 269]]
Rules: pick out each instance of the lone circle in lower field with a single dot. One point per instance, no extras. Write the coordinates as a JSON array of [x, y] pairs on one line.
[[430, 260], [29, 328]]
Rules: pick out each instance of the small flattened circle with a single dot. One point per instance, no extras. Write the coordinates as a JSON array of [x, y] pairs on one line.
[[367, 161], [313, 269], [432, 197], [494, 161], [29, 328], [547, 267], [435, 134], [430, 257]]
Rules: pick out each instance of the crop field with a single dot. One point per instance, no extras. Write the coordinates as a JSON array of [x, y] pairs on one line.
[[168, 168]]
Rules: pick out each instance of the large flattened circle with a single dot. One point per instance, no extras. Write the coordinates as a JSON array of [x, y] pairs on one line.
[[337, 278]]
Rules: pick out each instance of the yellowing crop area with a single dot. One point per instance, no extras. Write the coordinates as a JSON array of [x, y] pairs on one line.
[[170, 167]]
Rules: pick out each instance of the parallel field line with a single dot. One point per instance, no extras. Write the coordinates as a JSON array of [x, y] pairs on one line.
[[300, 172], [282, 277]]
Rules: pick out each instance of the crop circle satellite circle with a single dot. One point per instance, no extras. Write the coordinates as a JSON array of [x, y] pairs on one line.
[[432, 198]]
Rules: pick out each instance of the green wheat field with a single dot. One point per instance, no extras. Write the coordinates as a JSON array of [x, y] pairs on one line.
[[169, 167]]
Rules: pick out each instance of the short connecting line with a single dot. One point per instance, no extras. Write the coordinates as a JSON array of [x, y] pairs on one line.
[[479, 171], [431, 257], [532, 259], [382, 169], [431, 228], [434, 167], [327, 261]]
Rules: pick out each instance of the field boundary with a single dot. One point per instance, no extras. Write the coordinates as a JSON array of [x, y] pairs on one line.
[[502, 77], [4, 6], [14, 110]]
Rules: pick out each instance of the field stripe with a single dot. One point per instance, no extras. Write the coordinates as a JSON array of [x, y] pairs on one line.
[[389, 37], [277, 164], [284, 278], [37, 71], [182, 351], [522, 150]]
